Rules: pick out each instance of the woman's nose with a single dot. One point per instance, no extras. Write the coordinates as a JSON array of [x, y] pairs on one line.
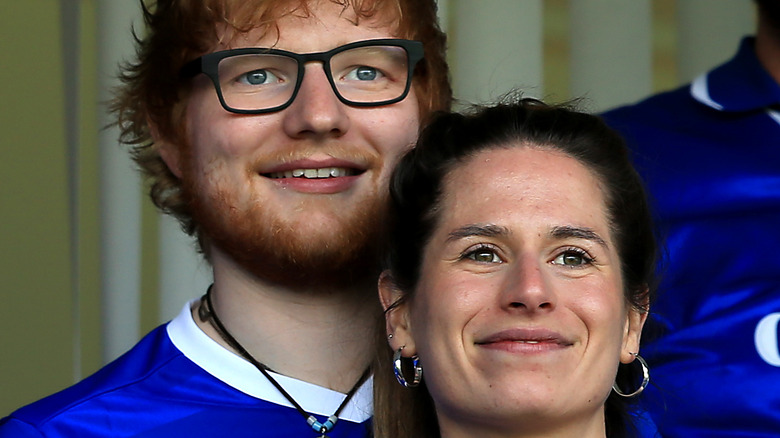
[[527, 288]]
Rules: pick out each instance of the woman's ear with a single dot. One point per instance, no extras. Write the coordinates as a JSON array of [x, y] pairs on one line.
[[399, 333], [169, 152], [633, 334]]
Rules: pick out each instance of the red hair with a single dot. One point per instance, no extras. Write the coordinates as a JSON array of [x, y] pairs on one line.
[[177, 31]]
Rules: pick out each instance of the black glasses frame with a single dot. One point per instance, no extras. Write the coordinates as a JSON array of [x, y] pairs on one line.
[[208, 64]]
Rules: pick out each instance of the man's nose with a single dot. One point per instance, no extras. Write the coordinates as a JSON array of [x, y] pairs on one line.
[[316, 110]]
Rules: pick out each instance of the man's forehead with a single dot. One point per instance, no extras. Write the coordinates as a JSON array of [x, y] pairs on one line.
[[247, 21]]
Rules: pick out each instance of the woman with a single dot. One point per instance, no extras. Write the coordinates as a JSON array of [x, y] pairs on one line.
[[519, 278]]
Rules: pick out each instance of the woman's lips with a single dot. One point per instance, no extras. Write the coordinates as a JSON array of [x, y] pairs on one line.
[[523, 340]]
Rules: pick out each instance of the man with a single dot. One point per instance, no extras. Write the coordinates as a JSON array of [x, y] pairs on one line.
[[710, 154], [269, 129]]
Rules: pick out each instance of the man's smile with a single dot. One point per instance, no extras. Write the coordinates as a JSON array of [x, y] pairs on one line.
[[315, 173]]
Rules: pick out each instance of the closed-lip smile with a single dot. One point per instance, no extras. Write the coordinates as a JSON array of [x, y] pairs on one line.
[[525, 340]]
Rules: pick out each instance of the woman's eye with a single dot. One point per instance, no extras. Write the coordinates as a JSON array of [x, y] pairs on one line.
[[483, 255], [572, 258], [257, 77]]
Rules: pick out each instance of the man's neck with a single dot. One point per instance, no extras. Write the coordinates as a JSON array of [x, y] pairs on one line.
[[319, 336], [768, 47]]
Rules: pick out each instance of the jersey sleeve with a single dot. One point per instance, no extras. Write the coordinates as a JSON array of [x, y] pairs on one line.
[[14, 428]]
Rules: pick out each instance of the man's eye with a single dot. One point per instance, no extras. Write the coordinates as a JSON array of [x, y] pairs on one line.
[[483, 255], [364, 73], [572, 258], [257, 77]]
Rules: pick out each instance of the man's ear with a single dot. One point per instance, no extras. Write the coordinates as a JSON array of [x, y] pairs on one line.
[[397, 321], [633, 333], [169, 152]]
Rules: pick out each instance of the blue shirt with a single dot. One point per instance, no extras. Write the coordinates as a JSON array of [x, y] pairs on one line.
[[710, 155], [178, 382]]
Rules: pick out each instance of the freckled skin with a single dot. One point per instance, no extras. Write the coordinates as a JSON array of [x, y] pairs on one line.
[[311, 225]]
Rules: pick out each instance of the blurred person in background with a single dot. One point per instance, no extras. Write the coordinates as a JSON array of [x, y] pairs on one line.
[[710, 155]]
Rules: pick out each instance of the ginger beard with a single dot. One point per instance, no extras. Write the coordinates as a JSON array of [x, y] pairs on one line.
[[271, 247]]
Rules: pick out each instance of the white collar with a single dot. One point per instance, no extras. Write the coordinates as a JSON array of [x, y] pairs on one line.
[[243, 376], [700, 91]]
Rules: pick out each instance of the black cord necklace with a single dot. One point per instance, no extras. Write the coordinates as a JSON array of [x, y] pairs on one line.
[[207, 314]]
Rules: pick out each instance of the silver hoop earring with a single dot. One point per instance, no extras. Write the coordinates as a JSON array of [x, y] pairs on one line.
[[399, 373], [645, 379]]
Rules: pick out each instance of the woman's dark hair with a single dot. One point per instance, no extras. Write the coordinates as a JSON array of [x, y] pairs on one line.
[[416, 192]]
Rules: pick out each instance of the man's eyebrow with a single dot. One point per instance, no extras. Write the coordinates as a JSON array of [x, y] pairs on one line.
[[577, 233], [483, 230]]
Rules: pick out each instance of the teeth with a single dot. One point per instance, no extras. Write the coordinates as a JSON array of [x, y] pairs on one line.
[[324, 172]]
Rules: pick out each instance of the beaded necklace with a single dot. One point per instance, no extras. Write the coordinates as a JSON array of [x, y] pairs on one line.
[[207, 314]]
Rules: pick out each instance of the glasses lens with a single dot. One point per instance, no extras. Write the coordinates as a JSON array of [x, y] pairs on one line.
[[371, 74], [257, 81]]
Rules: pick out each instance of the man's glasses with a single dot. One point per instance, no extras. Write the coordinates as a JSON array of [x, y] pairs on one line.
[[261, 80]]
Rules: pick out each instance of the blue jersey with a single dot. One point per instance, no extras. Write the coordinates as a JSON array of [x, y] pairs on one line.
[[710, 155], [179, 382]]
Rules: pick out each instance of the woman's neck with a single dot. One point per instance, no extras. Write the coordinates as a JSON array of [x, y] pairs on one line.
[[592, 426]]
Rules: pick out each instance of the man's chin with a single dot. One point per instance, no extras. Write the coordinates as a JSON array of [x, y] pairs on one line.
[[316, 254], [309, 266]]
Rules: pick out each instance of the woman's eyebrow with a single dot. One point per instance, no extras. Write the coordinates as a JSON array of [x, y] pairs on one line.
[[483, 230], [567, 232]]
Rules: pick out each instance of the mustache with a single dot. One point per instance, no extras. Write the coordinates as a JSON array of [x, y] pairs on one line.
[[359, 156]]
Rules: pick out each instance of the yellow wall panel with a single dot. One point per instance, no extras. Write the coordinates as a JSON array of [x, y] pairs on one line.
[[36, 336]]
